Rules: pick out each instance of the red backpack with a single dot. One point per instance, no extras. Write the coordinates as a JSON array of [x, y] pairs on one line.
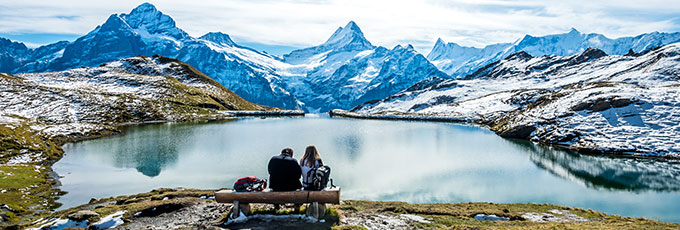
[[249, 184]]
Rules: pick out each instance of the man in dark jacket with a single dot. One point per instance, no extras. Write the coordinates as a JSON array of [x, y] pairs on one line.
[[284, 172]]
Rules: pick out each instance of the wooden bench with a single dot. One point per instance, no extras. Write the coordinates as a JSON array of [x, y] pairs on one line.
[[316, 199]]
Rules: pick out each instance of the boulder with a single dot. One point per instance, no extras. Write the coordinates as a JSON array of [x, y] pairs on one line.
[[519, 132], [83, 215]]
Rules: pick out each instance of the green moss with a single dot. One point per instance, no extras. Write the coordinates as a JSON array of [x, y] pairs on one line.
[[11, 217], [28, 190], [349, 227]]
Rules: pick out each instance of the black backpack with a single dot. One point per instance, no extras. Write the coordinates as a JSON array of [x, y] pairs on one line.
[[320, 176]]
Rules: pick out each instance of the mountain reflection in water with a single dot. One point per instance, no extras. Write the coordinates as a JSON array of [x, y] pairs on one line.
[[607, 172]]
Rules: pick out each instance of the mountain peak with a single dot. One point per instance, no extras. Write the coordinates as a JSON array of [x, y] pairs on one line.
[[219, 38], [144, 7], [574, 31], [350, 35], [353, 26], [521, 56], [147, 17], [439, 42]]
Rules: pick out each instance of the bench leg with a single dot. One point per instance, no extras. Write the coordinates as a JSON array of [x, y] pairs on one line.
[[316, 210], [235, 210], [245, 208]]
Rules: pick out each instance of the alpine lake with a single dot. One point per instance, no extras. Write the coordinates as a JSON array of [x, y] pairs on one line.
[[417, 162]]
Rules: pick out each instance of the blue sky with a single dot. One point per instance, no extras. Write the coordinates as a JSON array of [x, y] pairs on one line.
[[278, 26]]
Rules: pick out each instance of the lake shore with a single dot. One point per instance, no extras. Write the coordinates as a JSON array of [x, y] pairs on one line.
[[30, 187], [192, 208], [516, 133]]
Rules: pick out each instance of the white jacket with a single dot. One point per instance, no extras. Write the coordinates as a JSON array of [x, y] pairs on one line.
[[306, 175]]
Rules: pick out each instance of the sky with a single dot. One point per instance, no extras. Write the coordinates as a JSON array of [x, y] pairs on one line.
[[279, 26]]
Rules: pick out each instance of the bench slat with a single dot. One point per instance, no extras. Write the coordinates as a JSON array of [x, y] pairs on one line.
[[328, 196]]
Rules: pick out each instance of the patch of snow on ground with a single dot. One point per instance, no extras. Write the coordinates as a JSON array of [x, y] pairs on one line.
[[110, 221], [554, 216], [484, 217]]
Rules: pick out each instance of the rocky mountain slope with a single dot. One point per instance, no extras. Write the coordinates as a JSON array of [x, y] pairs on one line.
[[590, 101], [460, 61], [88, 99]]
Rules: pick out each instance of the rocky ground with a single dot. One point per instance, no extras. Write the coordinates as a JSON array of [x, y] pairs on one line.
[[196, 209]]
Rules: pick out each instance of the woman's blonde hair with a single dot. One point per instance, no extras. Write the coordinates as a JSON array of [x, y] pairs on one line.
[[310, 157]]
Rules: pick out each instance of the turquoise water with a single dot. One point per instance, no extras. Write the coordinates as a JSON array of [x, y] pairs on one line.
[[418, 162]]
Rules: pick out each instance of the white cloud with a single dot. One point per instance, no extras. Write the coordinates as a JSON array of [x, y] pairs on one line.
[[384, 22]]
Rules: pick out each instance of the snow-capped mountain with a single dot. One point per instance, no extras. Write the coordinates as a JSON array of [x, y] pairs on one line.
[[348, 70], [14, 55], [343, 72], [589, 101], [147, 31], [460, 61]]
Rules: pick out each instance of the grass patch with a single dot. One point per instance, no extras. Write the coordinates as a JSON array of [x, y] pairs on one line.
[[27, 190], [348, 227]]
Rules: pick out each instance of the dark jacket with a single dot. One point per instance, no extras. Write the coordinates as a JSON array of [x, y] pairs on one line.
[[284, 173]]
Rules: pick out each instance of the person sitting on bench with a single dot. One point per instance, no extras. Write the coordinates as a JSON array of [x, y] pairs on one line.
[[284, 172], [310, 162]]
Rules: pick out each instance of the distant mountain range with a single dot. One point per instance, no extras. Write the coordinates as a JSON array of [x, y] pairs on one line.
[[459, 61], [345, 71]]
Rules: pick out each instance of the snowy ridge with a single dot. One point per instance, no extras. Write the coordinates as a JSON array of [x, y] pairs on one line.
[[589, 101], [459, 61]]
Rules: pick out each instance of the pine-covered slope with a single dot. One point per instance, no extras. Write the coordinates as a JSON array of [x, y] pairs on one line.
[[460, 61], [589, 101]]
